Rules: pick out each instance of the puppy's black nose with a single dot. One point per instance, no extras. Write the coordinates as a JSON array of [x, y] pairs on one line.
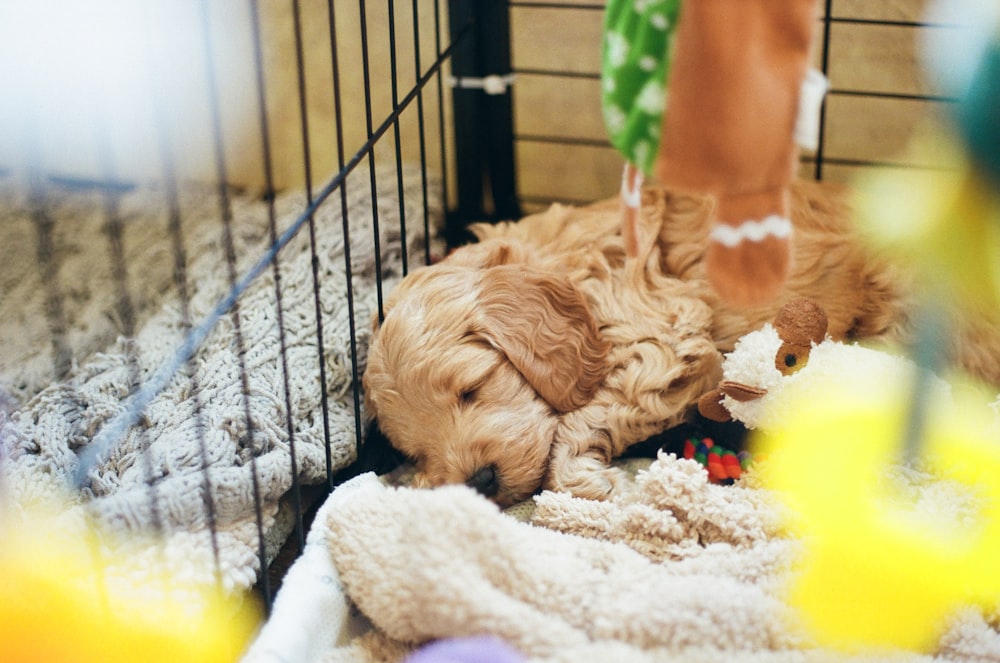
[[485, 480]]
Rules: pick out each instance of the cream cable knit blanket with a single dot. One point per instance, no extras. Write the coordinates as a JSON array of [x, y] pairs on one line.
[[40, 439], [677, 570]]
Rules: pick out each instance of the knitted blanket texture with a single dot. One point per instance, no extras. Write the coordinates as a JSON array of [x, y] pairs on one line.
[[151, 482]]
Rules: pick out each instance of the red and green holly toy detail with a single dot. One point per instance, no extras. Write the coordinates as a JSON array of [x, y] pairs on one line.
[[723, 465]]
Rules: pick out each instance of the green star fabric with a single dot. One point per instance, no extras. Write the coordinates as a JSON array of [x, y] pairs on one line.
[[635, 63]]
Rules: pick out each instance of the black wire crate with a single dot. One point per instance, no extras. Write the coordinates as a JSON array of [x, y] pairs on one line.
[[203, 205]]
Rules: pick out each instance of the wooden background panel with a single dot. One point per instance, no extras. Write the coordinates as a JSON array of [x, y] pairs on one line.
[[282, 82], [880, 130], [559, 106], [567, 173], [878, 62], [577, 3], [556, 39], [879, 10], [876, 58], [852, 174], [863, 58]]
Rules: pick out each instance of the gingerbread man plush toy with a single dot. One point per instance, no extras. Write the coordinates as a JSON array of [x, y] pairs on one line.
[[731, 75]]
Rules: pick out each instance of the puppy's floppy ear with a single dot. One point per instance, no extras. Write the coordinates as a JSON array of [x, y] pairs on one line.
[[541, 322]]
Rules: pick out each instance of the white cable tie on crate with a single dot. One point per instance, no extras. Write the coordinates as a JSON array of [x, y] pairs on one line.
[[493, 84]]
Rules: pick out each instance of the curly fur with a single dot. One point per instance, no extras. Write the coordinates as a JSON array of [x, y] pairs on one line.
[[541, 353]]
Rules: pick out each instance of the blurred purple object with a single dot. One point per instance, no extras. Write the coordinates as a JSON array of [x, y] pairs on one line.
[[480, 649]]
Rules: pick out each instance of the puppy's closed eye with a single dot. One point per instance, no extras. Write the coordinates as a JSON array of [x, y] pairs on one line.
[[468, 396]]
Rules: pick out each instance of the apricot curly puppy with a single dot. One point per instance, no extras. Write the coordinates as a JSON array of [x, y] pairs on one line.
[[535, 356]]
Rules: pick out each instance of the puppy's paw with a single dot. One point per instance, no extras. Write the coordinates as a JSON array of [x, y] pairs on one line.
[[586, 477]]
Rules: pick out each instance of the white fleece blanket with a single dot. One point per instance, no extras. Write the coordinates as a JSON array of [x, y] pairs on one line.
[[678, 569], [152, 482]]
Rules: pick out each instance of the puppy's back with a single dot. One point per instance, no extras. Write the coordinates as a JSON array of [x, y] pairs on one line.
[[867, 294]]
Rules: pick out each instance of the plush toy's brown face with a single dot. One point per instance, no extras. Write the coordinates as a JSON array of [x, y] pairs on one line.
[[472, 367]]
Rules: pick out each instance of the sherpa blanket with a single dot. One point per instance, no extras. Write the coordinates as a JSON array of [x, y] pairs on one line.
[[676, 569], [151, 482]]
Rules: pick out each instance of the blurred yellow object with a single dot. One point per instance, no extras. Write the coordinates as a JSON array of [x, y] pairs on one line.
[[944, 222], [61, 602], [876, 571]]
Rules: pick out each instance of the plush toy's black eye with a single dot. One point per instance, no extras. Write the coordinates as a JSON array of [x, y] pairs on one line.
[[485, 480], [791, 358]]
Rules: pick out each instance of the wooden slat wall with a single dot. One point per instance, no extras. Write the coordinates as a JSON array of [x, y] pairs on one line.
[[283, 86], [560, 100], [880, 96]]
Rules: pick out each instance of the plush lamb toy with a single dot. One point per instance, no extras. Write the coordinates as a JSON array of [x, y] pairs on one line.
[[794, 351], [868, 541]]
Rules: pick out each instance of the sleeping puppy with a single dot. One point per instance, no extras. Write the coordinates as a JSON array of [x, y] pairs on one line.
[[532, 358]]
